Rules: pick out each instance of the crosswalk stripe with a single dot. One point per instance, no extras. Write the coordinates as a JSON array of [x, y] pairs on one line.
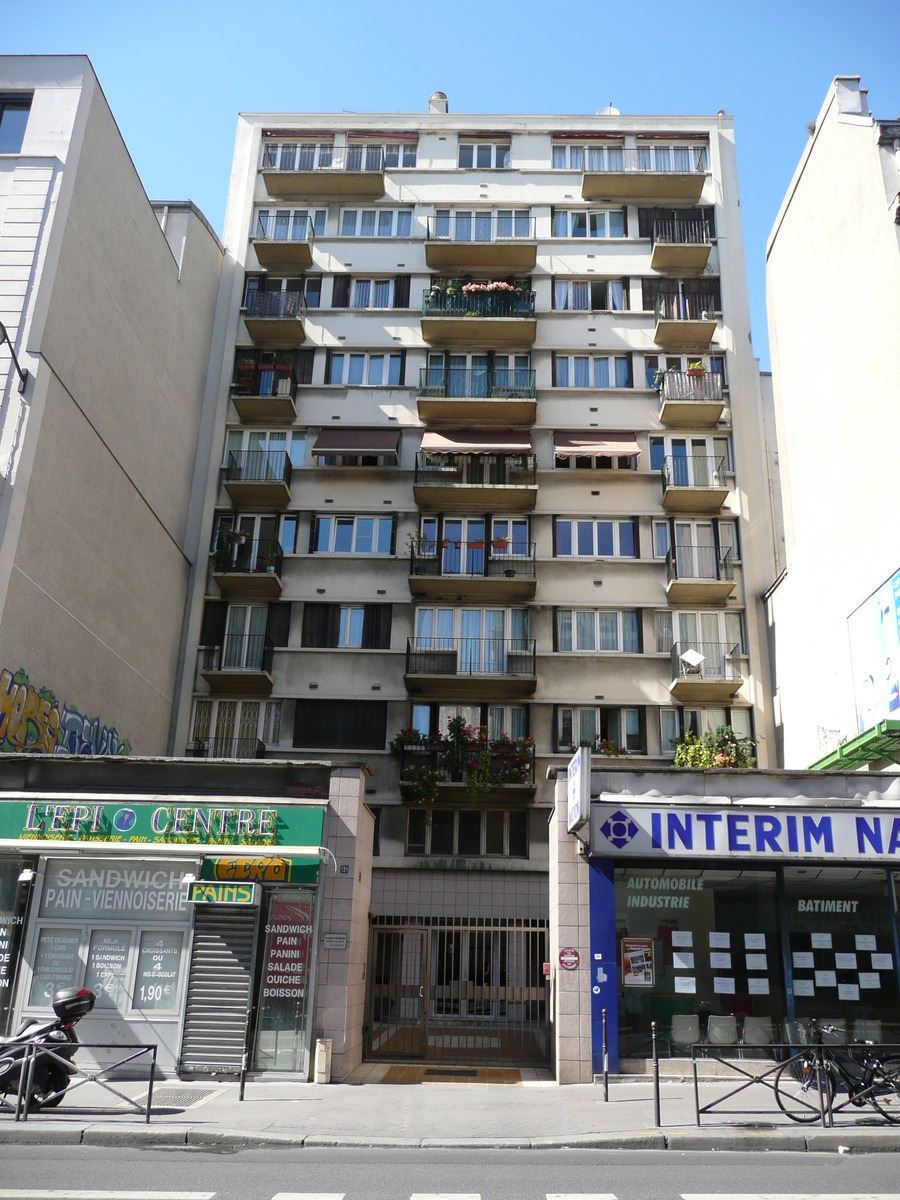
[[790, 1196], [445, 1196], [580, 1196], [71, 1194], [309, 1196]]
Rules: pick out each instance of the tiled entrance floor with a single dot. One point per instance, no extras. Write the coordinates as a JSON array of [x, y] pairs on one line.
[[380, 1072]]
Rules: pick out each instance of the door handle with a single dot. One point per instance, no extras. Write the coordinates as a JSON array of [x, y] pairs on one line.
[[422, 992]]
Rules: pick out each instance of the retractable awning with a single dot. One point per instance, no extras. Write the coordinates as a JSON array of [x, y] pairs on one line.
[[616, 445], [357, 441], [476, 441]]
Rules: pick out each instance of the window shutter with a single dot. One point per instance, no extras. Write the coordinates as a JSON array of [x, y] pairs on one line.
[[327, 366], [554, 740], [640, 629], [553, 295], [340, 724], [376, 633], [313, 533], [642, 728], [598, 294], [555, 631], [626, 303], [648, 294], [304, 365], [278, 623], [402, 368], [630, 382], [637, 537], [401, 291], [340, 292], [394, 534], [553, 534], [321, 625], [212, 628], [553, 384]]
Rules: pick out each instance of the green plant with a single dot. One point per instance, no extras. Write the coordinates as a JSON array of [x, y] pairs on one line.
[[455, 745], [421, 784], [406, 737], [480, 775], [696, 365], [722, 749]]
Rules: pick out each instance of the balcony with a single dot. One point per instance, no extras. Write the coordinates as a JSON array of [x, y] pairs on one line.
[[478, 241], [265, 394], [498, 571], [691, 399], [693, 483], [484, 314], [307, 170], [685, 319], [219, 747], [475, 482], [699, 575], [637, 174], [248, 569], [281, 242], [470, 668], [240, 667], [510, 778], [258, 478], [275, 317], [679, 245], [456, 396], [705, 671]]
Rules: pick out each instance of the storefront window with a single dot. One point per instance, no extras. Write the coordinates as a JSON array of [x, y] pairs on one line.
[[107, 966], [55, 964], [12, 924], [158, 970], [284, 992]]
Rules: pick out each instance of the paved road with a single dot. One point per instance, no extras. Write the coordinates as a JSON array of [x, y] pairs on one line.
[[55, 1173]]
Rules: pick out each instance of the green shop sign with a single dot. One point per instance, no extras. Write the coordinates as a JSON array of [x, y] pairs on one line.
[[172, 824]]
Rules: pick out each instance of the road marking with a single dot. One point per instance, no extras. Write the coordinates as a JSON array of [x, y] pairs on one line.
[[70, 1194], [445, 1196], [580, 1196], [790, 1196], [309, 1196]]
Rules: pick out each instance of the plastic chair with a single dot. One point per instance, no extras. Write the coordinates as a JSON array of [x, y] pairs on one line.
[[867, 1031], [757, 1031], [685, 1030], [721, 1031]]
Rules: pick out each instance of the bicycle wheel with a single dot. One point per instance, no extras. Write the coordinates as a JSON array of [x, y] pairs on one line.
[[885, 1079], [796, 1091]]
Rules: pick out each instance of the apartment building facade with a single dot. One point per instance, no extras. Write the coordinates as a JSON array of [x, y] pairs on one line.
[[487, 487]]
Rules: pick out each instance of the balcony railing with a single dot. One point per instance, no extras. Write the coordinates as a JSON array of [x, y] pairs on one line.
[[706, 661], [311, 157], [280, 227], [486, 470], [681, 385], [698, 562], [685, 306], [510, 764], [261, 556], [642, 160], [680, 232], [501, 383], [694, 471], [222, 747], [473, 560], [467, 656], [258, 466], [481, 227], [240, 652], [476, 302], [275, 305], [274, 379]]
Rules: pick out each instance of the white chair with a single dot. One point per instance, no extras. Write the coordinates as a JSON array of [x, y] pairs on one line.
[[685, 1030], [757, 1031], [721, 1031], [867, 1031]]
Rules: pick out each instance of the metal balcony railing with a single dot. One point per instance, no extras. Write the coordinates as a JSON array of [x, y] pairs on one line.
[[260, 556], [694, 471], [226, 747], [680, 232], [680, 385], [488, 470], [473, 560], [502, 226], [273, 379], [477, 383], [679, 160], [706, 660], [698, 562], [275, 305], [240, 652], [427, 655], [305, 156], [477, 300], [280, 227], [258, 466], [685, 306], [510, 764]]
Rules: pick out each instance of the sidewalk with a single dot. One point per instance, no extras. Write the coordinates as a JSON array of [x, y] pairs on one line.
[[467, 1113]]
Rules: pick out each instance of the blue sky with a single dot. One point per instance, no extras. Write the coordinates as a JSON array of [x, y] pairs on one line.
[[176, 76]]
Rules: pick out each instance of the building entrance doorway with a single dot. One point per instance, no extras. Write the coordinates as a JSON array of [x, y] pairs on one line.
[[458, 990]]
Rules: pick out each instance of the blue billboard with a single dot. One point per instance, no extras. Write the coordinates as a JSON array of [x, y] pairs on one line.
[[875, 654]]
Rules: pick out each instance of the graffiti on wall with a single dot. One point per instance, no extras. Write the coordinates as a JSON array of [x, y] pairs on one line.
[[34, 722]]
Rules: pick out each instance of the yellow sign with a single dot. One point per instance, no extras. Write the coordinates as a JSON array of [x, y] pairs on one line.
[[223, 893]]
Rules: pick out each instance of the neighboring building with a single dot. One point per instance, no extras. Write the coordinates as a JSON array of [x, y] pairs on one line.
[[111, 317], [489, 445], [833, 292]]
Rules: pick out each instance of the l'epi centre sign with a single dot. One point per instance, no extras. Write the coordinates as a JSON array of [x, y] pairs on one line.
[[833, 835]]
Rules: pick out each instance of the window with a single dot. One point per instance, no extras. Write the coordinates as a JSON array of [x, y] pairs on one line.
[[372, 293], [693, 462], [263, 451], [595, 462], [297, 156], [289, 224], [590, 631], [480, 225], [590, 295], [699, 221], [587, 371], [483, 633], [485, 155], [586, 538], [500, 719], [653, 363], [728, 539], [585, 726], [724, 627], [352, 535], [580, 223], [700, 721], [13, 119], [695, 544], [370, 156], [682, 299], [234, 728], [678, 159], [668, 729], [369, 368], [271, 372], [361, 627], [376, 222], [465, 833], [340, 724]]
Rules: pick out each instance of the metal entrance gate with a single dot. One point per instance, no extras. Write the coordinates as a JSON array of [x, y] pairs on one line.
[[458, 990]]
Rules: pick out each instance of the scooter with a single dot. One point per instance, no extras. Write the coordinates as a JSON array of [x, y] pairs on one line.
[[51, 1077]]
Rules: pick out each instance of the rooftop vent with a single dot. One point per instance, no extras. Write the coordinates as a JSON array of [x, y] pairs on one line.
[[437, 103]]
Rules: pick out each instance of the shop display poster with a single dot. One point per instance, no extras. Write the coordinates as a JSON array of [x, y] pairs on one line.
[[758, 987], [826, 979], [723, 985], [683, 960], [821, 941], [754, 941], [719, 961], [869, 979], [804, 987], [848, 991], [866, 941], [845, 962], [757, 962], [637, 962], [685, 985], [882, 962], [684, 937], [804, 960], [720, 941]]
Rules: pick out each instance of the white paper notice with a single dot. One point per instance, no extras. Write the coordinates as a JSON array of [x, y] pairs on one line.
[[720, 941], [803, 987], [882, 962], [758, 987], [821, 941], [723, 984], [866, 941], [754, 941], [756, 962], [682, 937], [869, 979], [845, 962], [803, 960], [826, 979], [685, 985], [683, 960], [848, 991], [720, 962]]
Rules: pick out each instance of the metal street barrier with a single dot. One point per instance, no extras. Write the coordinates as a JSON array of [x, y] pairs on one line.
[[65, 1059]]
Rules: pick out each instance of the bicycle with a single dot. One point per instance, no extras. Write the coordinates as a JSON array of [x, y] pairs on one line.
[[807, 1083]]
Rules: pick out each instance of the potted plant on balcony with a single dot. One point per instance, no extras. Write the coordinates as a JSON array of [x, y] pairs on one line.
[[500, 543], [455, 746], [696, 369], [722, 749], [475, 545]]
